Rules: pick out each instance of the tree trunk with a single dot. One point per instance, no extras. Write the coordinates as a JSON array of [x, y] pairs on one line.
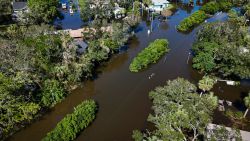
[[245, 114], [201, 93]]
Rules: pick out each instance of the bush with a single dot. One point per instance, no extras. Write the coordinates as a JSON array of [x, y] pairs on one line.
[[52, 93], [199, 16], [149, 55], [211, 7], [68, 128], [225, 5], [195, 19]]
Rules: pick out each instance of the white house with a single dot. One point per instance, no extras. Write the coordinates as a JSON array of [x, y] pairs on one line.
[[159, 5], [119, 12]]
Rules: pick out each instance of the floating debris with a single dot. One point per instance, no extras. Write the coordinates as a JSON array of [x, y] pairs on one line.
[[221, 108], [221, 102], [229, 103]]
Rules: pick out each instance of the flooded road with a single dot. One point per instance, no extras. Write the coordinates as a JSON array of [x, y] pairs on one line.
[[122, 96]]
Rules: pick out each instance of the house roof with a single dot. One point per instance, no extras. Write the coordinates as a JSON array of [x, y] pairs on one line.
[[81, 44], [160, 2], [19, 5]]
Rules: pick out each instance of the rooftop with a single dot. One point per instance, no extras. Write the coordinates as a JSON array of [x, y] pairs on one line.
[[19, 5], [160, 2]]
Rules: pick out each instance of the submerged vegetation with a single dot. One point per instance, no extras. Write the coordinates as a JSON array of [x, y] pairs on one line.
[[201, 15], [149, 55], [195, 19], [68, 128]]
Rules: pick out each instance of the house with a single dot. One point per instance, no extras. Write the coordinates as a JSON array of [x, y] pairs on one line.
[[64, 6], [119, 12], [159, 5], [19, 8]]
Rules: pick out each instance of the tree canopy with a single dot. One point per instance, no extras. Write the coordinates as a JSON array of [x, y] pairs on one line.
[[42, 11], [223, 48], [178, 111]]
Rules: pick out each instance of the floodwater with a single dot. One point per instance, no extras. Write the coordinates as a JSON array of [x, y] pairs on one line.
[[122, 96], [70, 21]]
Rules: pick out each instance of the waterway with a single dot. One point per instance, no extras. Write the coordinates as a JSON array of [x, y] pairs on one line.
[[122, 96]]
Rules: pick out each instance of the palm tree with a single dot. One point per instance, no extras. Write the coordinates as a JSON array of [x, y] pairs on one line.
[[206, 84], [247, 103]]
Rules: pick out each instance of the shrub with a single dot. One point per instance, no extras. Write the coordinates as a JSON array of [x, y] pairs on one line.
[[225, 5], [195, 19], [211, 7], [52, 93], [68, 128], [149, 55]]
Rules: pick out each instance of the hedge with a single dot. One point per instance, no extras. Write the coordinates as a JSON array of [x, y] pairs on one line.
[[201, 15], [71, 125], [149, 55], [195, 19]]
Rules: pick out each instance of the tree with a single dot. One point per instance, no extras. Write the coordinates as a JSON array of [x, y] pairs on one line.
[[223, 48], [206, 84], [52, 93], [86, 12], [14, 109], [223, 134], [5, 9], [175, 114], [247, 103], [43, 11], [137, 135]]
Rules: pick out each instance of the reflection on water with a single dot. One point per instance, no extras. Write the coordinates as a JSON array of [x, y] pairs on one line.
[[70, 21]]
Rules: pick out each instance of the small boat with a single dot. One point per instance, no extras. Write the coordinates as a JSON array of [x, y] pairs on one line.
[[71, 11]]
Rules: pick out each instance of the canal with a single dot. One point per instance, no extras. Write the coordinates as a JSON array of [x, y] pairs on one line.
[[122, 96]]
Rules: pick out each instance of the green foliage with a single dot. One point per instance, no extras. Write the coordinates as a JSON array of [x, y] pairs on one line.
[[223, 47], [68, 128], [13, 109], [225, 5], [86, 12], [42, 11], [116, 38], [247, 103], [149, 55], [5, 9], [175, 114], [206, 83], [52, 93], [137, 135], [41, 68], [234, 115], [223, 134], [210, 7], [204, 59], [195, 19], [96, 10], [213, 7], [199, 16]]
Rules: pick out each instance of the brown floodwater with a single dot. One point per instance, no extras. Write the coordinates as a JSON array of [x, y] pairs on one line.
[[122, 96]]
